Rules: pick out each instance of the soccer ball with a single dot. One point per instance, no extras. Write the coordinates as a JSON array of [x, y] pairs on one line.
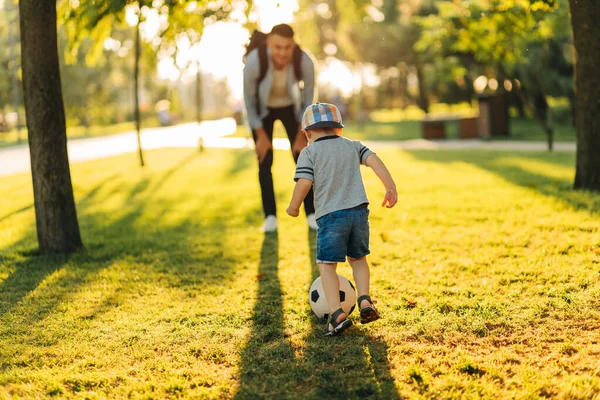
[[318, 303]]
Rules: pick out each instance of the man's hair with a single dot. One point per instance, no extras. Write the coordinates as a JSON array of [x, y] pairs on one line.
[[283, 30]]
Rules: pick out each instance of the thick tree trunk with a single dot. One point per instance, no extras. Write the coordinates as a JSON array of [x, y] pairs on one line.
[[136, 95], [585, 15], [56, 217]]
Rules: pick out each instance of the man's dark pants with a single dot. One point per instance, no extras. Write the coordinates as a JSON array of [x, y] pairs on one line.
[[287, 116]]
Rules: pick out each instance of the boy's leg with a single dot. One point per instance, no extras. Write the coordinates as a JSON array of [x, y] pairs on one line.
[[265, 177], [360, 270], [291, 125], [331, 287], [362, 277], [358, 249]]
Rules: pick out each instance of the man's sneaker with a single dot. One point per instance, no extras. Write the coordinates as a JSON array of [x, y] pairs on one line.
[[312, 222], [270, 224]]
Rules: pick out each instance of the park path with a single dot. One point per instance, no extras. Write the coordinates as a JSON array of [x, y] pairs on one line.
[[213, 134]]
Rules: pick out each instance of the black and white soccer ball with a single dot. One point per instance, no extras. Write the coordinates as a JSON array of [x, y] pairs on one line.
[[318, 303]]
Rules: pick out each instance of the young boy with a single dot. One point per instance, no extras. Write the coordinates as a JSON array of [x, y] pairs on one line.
[[331, 166]]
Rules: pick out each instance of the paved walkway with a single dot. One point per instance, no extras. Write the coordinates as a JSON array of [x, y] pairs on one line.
[[213, 134]]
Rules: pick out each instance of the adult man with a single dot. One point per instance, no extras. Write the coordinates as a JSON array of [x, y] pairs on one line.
[[276, 93]]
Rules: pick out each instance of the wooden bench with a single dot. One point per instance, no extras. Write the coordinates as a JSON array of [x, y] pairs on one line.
[[434, 126]]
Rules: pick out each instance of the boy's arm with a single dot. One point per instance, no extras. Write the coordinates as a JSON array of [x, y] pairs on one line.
[[300, 191], [391, 196]]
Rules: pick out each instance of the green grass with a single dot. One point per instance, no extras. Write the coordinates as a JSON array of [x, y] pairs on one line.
[[487, 274]]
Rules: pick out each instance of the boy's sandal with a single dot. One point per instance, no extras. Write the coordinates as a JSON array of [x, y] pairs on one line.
[[368, 313], [334, 328]]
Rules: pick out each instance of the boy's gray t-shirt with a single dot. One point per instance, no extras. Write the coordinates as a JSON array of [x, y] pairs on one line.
[[332, 163]]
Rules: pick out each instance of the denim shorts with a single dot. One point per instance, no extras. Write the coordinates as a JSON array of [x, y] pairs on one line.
[[343, 233]]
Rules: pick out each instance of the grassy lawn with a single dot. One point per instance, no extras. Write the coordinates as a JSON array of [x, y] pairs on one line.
[[487, 274]]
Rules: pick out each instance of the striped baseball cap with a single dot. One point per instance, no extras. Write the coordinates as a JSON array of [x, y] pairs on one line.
[[321, 115]]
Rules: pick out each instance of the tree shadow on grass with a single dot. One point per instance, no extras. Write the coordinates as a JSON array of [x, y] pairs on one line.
[[20, 210], [30, 268], [36, 284], [268, 366], [504, 165], [245, 159], [354, 365]]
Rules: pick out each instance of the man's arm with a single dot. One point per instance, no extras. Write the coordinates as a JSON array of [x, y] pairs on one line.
[[391, 196], [300, 191], [251, 71]]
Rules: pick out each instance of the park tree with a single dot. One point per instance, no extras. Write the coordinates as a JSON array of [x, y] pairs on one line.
[[87, 19], [585, 15], [56, 216], [173, 19], [395, 36], [497, 36]]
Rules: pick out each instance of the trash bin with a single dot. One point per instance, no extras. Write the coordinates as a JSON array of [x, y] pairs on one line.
[[468, 128], [493, 115], [434, 129]]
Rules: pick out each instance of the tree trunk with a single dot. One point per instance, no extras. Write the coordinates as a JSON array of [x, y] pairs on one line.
[[543, 114], [423, 96], [585, 15], [517, 101], [136, 96], [56, 216], [198, 94], [469, 91]]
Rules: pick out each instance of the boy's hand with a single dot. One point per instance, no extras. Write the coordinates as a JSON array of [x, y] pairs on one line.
[[293, 212], [391, 198]]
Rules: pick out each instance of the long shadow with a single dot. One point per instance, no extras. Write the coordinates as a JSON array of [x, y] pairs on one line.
[[328, 359], [498, 163], [243, 162], [108, 243], [173, 170], [27, 275], [20, 210], [268, 361], [31, 269], [93, 192]]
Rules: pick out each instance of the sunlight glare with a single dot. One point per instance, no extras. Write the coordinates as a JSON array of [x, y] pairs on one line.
[[151, 26], [131, 14], [480, 84], [167, 69], [273, 12], [337, 74]]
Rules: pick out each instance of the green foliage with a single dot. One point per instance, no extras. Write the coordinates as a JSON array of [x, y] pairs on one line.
[[85, 19], [494, 34]]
